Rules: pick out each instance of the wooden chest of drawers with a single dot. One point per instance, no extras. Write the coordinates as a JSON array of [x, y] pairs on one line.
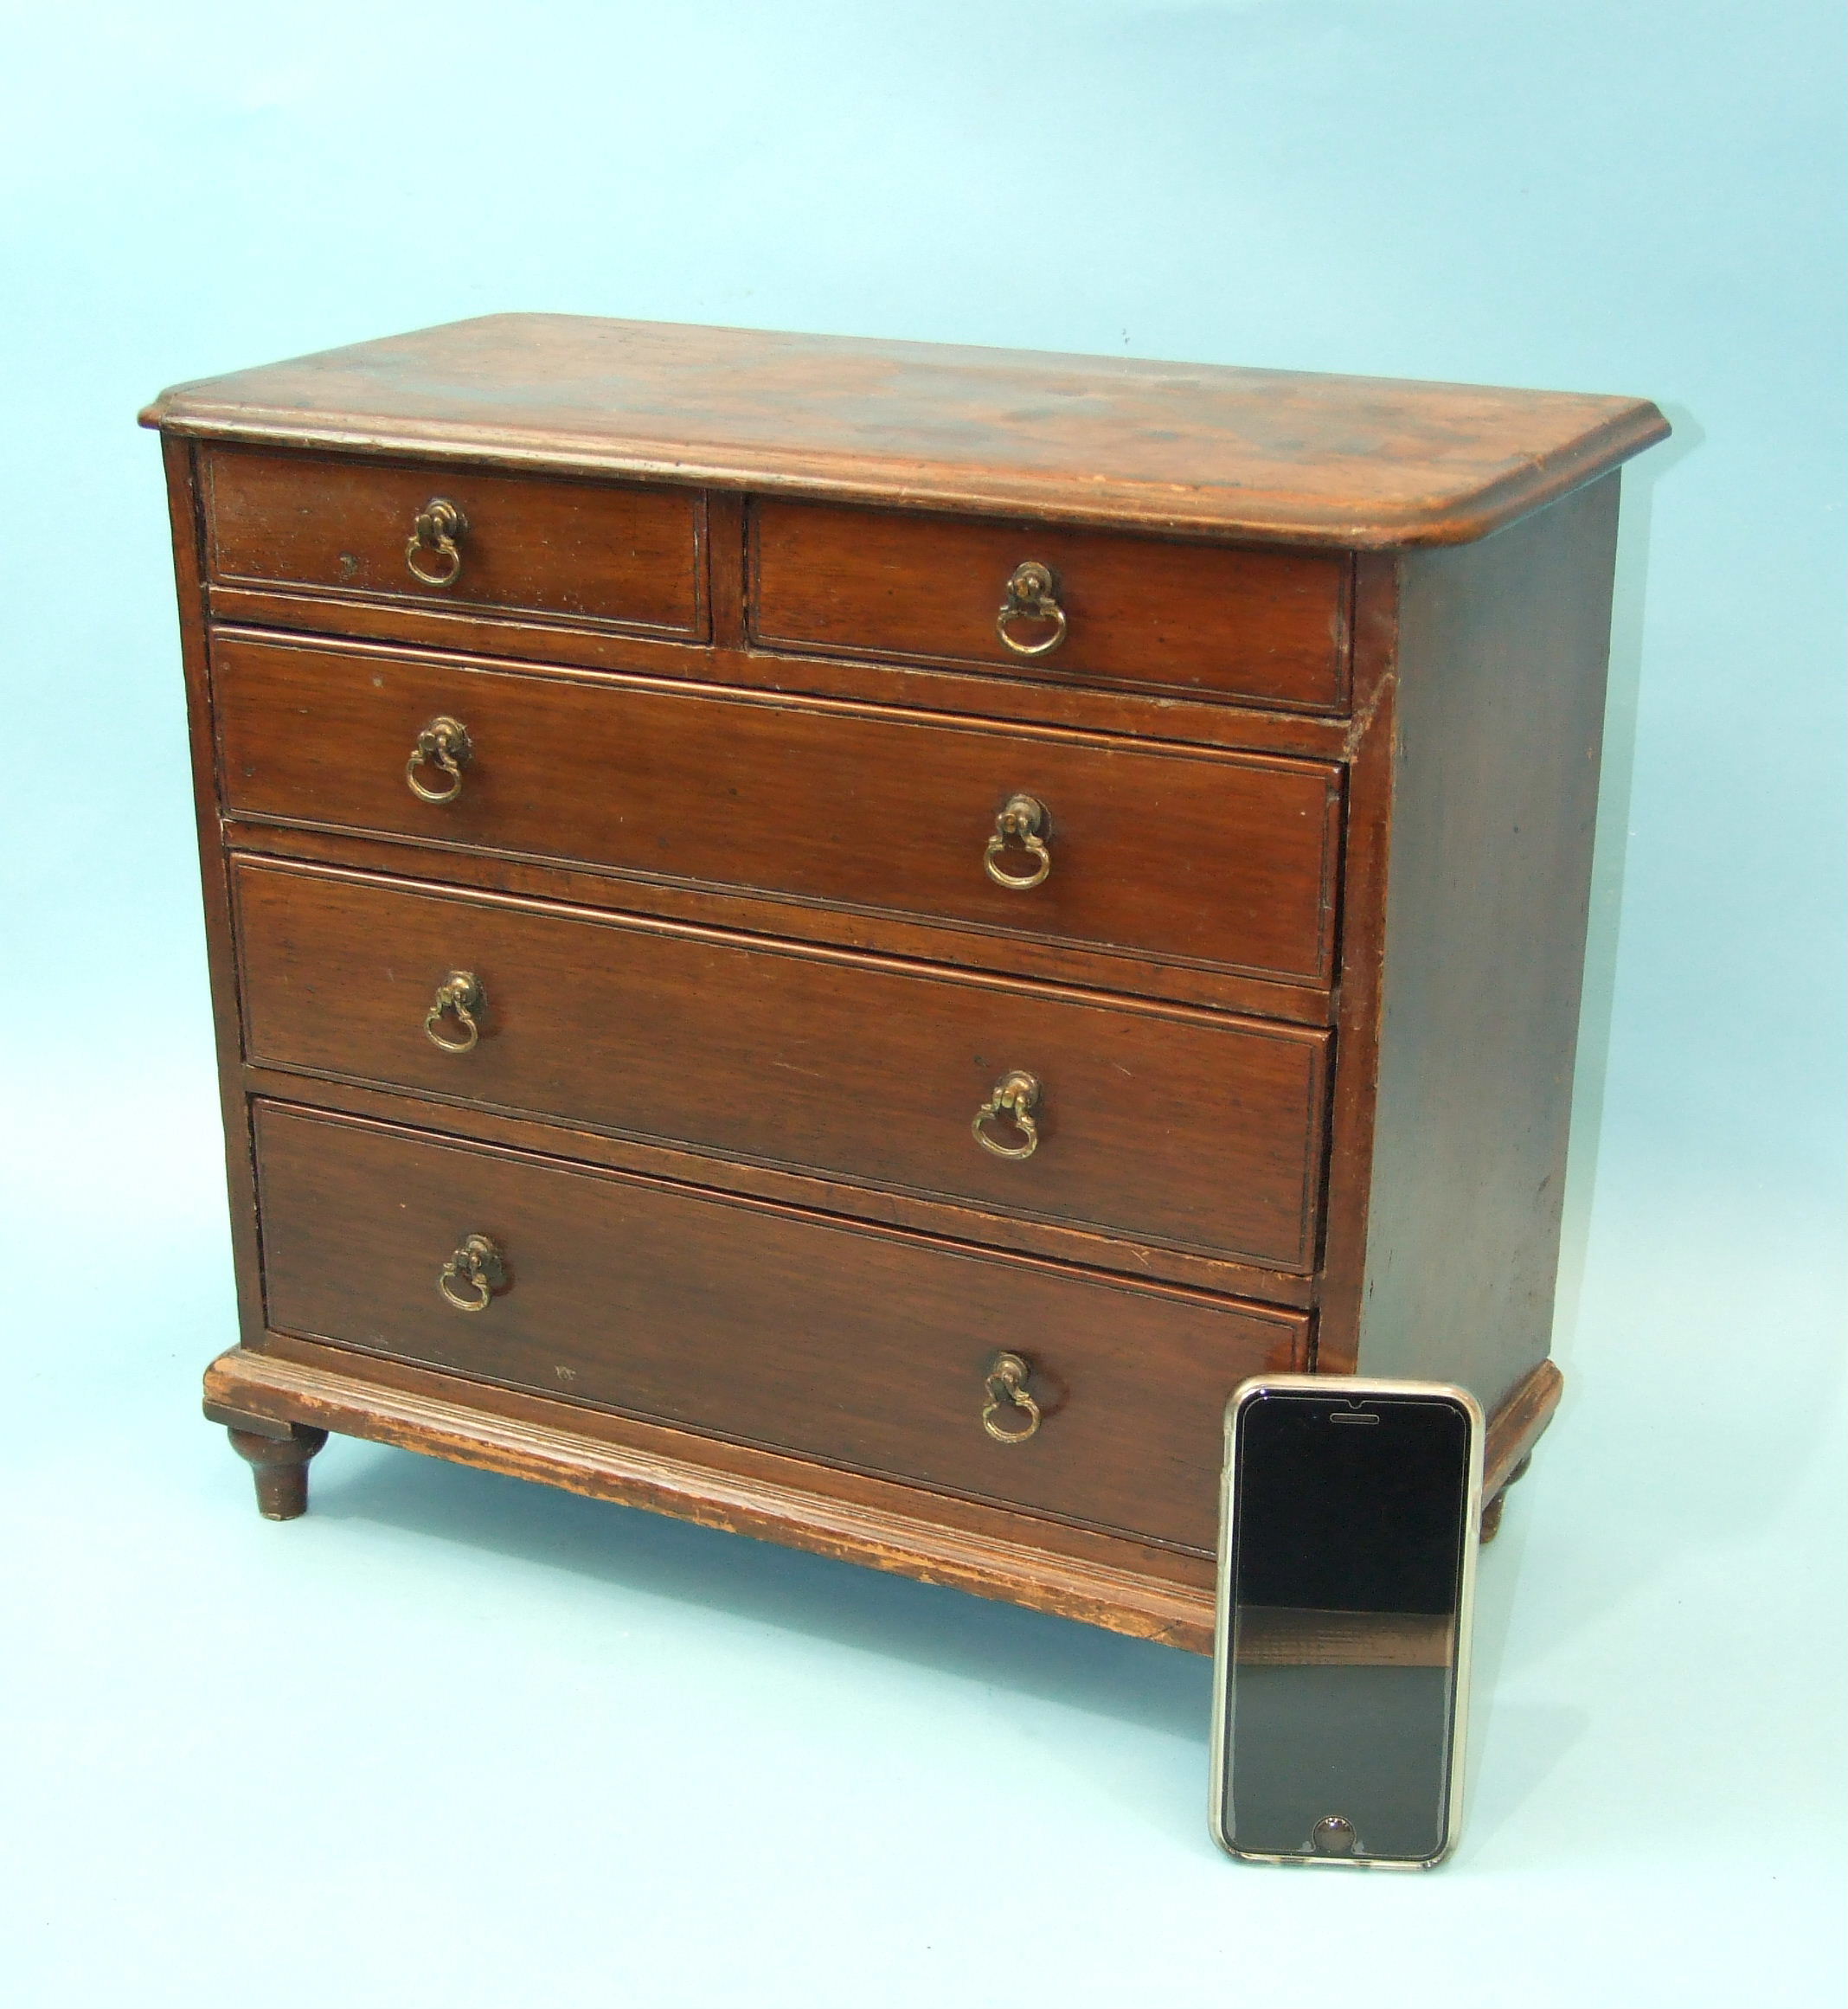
[[838, 938]]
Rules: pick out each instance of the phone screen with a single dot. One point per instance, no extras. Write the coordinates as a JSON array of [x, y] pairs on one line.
[[1347, 1528]]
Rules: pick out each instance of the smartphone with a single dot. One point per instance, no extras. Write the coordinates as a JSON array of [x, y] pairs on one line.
[[1347, 1569]]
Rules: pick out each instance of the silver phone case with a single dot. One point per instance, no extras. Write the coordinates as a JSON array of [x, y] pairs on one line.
[[1357, 1387]]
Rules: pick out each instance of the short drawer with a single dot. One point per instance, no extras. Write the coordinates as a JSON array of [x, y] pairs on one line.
[[857, 1346], [1200, 1132], [593, 554], [1234, 622], [1224, 861]]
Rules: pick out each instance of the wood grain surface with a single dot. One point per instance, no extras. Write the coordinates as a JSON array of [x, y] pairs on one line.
[[1138, 1587], [1226, 862], [1518, 1424], [970, 691], [815, 1192], [1206, 621], [179, 461], [854, 1346], [1501, 659], [1261, 455], [1154, 1123], [602, 553], [286, 1385], [1300, 990], [787, 917]]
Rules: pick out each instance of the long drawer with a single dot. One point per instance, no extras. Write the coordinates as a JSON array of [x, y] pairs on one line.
[[1200, 1132], [858, 1346], [1226, 860]]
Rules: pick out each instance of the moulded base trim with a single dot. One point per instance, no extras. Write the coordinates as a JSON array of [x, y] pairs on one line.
[[765, 1495]]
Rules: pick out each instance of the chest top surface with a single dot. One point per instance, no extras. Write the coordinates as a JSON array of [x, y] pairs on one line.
[[1202, 450]]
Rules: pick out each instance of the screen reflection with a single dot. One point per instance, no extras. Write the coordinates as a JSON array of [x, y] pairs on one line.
[[1348, 1529]]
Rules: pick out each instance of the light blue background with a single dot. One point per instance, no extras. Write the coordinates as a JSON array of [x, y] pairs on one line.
[[455, 1740]]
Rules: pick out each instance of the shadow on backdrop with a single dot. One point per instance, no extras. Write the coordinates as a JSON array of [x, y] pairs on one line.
[[1622, 703], [1031, 1654], [1048, 1659]]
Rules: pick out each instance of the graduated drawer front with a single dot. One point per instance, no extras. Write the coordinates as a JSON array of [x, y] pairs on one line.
[[1228, 861], [1269, 627], [581, 553], [1201, 1132], [859, 1347]]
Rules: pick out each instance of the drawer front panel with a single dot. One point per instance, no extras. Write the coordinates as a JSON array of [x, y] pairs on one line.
[[1209, 620], [861, 1348], [1202, 1133], [1224, 862], [582, 553]]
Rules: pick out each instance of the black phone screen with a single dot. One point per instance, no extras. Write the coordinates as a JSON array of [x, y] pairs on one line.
[[1347, 1531]]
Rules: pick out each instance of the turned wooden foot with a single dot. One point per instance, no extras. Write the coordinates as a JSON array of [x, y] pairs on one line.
[[1492, 1511], [279, 1465]]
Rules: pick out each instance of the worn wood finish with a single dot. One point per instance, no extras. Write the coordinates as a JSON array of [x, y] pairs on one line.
[[1159, 1594], [279, 1463], [1514, 1430], [1518, 1424], [848, 1344], [1206, 621], [181, 473], [1228, 861], [1158, 1124], [1128, 1587], [1371, 750], [801, 1479], [1119, 710], [787, 919], [927, 1213], [1301, 986], [587, 553], [1500, 691], [1258, 455]]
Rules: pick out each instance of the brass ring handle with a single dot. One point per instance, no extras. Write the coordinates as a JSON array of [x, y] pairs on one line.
[[477, 1264], [1032, 595], [435, 529], [445, 745], [459, 992], [1016, 1096], [1024, 822], [1006, 1381]]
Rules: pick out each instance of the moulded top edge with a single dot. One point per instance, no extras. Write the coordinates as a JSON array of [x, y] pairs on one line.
[[1202, 450]]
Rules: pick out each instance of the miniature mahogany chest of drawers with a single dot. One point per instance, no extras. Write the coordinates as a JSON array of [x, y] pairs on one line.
[[838, 938]]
